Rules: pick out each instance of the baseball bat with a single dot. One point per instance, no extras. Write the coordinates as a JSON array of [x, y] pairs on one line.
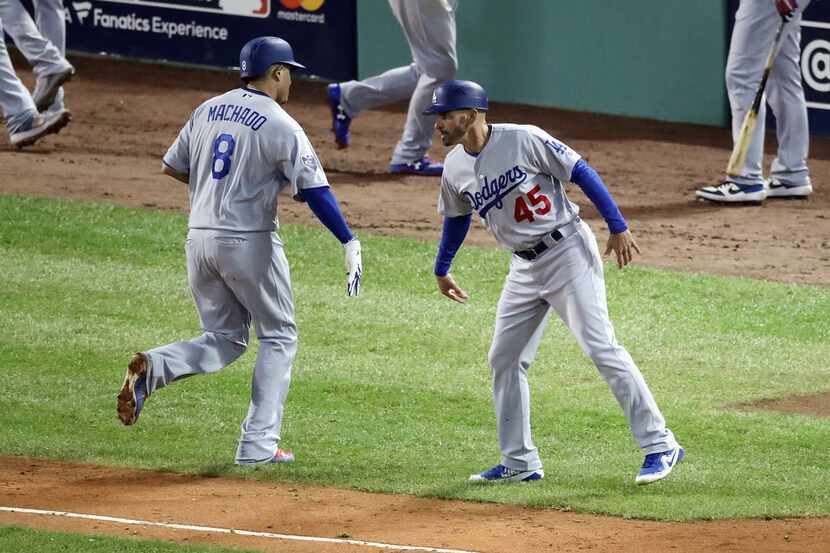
[[739, 150]]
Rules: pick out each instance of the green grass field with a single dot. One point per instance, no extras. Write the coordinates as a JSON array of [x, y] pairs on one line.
[[22, 539], [392, 390]]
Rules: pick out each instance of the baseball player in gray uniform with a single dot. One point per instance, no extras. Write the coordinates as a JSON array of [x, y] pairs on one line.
[[429, 27], [44, 45], [237, 151], [756, 23], [513, 177], [23, 122]]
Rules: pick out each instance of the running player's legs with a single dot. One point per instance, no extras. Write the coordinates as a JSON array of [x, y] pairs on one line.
[[520, 321], [785, 96], [257, 271], [390, 86], [224, 320], [51, 22], [581, 304], [45, 57]]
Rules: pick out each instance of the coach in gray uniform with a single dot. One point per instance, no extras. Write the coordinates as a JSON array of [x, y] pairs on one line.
[[756, 22], [236, 152], [513, 177], [429, 27]]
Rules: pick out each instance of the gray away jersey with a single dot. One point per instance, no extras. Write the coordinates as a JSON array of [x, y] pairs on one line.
[[240, 149], [515, 184]]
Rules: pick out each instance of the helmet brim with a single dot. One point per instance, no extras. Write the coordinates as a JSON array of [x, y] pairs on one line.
[[438, 108]]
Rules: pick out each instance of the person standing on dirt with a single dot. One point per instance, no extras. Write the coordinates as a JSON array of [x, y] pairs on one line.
[[429, 28], [24, 123], [756, 23], [44, 46]]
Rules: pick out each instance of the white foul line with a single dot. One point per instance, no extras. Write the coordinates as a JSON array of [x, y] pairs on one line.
[[232, 531]]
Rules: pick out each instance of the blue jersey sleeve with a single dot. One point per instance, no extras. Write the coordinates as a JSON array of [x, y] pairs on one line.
[[455, 230], [324, 205], [590, 182]]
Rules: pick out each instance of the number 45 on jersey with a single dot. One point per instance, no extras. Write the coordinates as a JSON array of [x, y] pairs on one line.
[[539, 205]]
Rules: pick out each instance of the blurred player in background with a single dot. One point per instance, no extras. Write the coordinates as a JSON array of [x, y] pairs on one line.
[[23, 122], [44, 46], [756, 23], [429, 27]]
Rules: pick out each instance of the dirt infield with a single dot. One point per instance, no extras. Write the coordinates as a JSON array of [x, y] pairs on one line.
[[385, 518], [126, 115]]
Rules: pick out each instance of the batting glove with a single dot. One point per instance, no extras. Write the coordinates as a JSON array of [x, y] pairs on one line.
[[786, 8], [354, 266]]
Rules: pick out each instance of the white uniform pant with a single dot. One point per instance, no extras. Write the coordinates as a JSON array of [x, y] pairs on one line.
[[15, 101], [568, 279], [756, 22], [429, 27], [42, 43], [234, 277]]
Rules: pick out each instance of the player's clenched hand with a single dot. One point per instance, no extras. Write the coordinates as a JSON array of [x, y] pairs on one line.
[[354, 266], [786, 8], [450, 289], [624, 246]]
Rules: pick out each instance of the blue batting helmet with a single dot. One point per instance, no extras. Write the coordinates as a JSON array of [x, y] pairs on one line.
[[262, 52], [456, 94]]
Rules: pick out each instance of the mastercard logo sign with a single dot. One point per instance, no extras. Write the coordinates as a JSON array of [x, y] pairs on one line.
[[308, 5]]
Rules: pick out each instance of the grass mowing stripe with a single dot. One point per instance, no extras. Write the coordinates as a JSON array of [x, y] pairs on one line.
[[397, 378]]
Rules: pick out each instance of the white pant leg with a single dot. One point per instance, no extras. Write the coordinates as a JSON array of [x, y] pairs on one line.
[[785, 96], [44, 56], [390, 86], [430, 30], [50, 16], [521, 317], [15, 100], [259, 277], [576, 291], [756, 22]]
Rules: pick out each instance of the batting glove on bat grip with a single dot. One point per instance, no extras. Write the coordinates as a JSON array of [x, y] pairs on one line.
[[786, 8], [354, 266]]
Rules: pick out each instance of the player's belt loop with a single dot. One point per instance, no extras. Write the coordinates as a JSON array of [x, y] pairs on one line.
[[550, 240]]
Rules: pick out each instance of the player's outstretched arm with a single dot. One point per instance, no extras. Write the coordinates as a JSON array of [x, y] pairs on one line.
[[454, 232], [324, 205]]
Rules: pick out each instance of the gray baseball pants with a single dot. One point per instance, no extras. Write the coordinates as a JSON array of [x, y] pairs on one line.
[[567, 279], [756, 22], [235, 277], [429, 27], [15, 100]]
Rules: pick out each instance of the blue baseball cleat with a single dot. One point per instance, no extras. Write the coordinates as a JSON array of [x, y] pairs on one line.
[[134, 390], [339, 120], [425, 167], [501, 473], [657, 466]]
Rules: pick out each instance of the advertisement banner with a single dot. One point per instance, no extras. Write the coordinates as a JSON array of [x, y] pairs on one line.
[[211, 32], [815, 62]]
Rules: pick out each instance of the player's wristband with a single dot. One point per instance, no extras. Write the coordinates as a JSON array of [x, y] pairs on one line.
[[591, 183], [455, 230], [324, 205]]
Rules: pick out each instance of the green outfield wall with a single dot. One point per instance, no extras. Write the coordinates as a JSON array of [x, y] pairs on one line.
[[661, 59]]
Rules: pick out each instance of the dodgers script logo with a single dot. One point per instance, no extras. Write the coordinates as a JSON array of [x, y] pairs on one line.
[[494, 191]]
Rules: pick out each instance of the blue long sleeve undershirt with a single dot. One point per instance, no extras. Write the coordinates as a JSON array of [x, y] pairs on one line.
[[324, 205], [455, 230], [584, 176]]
